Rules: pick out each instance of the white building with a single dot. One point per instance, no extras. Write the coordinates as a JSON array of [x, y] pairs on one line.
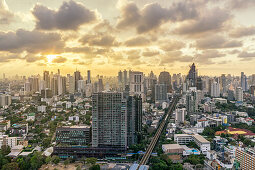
[[239, 94], [215, 89], [74, 118], [5, 100], [180, 115], [136, 80], [201, 142], [41, 109]]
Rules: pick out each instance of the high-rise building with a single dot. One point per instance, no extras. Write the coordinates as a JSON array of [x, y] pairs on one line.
[[199, 84], [5, 100], [46, 78], [245, 157], [100, 84], [223, 84], [125, 78], [71, 84], [215, 89], [120, 77], [244, 84], [136, 85], [180, 115], [191, 100], [109, 120], [165, 78], [74, 135], [88, 77], [77, 76], [134, 118], [81, 86], [239, 94], [160, 93], [192, 76]]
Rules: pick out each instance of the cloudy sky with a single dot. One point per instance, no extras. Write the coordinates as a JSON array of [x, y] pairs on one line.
[[108, 35]]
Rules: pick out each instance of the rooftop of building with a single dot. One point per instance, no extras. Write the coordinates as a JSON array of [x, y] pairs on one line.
[[234, 131], [172, 146], [201, 139]]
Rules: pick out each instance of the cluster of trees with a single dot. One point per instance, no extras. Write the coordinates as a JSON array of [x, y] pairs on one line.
[[195, 159], [164, 163], [210, 131]]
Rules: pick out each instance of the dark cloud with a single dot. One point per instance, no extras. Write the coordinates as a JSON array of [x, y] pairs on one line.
[[30, 41], [59, 59], [207, 56], [242, 31], [217, 41], [245, 56], [137, 41], [70, 16], [209, 21], [99, 39], [153, 15]]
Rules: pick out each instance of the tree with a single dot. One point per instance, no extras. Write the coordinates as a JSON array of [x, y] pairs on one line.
[[66, 162], [5, 149], [37, 160], [48, 160], [95, 167], [55, 159], [91, 161], [12, 166]]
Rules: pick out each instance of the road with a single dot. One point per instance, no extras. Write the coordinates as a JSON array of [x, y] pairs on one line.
[[154, 141]]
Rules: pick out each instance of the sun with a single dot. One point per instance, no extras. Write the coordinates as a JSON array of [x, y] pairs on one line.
[[50, 58]]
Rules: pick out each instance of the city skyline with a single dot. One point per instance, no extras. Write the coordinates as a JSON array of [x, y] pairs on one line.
[[138, 35]]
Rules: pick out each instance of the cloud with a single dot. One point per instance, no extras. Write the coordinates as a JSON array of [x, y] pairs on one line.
[[151, 16], [30, 41], [99, 39], [240, 4], [70, 16], [217, 41], [6, 17], [31, 58], [150, 53], [6, 57], [242, 31], [59, 59], [172, 45], [137, 41], [174, 56], [210, 20], [207, 56], [246, 55]]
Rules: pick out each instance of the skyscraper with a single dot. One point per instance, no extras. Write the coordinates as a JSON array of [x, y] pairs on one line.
[[215, 89], [160, 93], [165, 78], [239, 94], [125, 78], [88, 77], [134, 119], [77, 76], [109, 120], [136, 85], [192, 76], [46, 78], [244, 82]]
